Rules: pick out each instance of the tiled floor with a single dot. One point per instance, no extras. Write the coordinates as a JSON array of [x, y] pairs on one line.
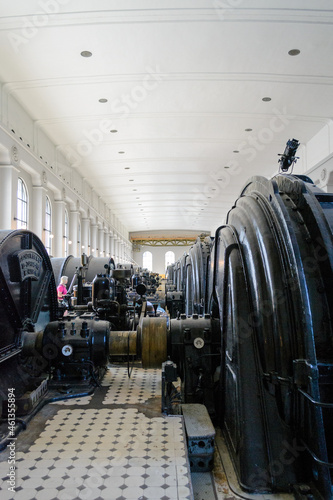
[[143, 385], [111, 453], [114, 445]]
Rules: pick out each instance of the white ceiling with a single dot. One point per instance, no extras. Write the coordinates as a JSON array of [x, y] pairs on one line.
[[183, 79]]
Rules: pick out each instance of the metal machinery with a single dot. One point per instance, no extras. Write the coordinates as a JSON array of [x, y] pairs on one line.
[[272, 285], [250, 333], [270, 290], [81, 272], [28, 303]]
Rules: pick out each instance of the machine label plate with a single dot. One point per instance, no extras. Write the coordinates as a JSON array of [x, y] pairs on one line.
[[30, 263]]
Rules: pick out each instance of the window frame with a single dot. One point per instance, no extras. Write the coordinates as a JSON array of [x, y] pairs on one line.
[[48, 225], [21, 205]]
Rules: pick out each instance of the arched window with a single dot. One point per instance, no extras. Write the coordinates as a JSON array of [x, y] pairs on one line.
[[147, 261], [22, 205], [66, 233], [169, 258], [48, 225]]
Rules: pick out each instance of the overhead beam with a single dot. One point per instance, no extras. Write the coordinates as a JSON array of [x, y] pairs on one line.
[[164, 242]]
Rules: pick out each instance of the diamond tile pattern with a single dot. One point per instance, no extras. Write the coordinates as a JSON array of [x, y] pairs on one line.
[[105, 454], [142, 385]]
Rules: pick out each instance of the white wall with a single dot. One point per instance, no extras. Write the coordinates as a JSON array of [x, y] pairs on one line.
[[60, 183], [159, 255]]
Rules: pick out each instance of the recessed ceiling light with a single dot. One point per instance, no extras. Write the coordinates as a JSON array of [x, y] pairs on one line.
[[266, 99], [102, 100], [113, 131], [294, 52], [121, 152], [86, 53], [248, 130]]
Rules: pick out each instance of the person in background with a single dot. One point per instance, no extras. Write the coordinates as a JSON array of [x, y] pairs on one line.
[[61, 289]]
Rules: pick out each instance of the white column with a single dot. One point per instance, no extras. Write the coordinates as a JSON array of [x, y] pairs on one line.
[[93, 240], [128, 252], [59, 228], [73, 232], [107, 242], [85, 223], [116, 253], [100, 242], [38, 211], [8, 196], [112, 244]]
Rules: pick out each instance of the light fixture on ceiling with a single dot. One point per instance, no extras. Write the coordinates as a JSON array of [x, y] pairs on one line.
[[113, 131], [294, 52], [102, 100], [134, 189], [236, 151], [127, 168], [121, 152], [248, 130], [131, 180], [86, 53], [226, 166], [266, 99]]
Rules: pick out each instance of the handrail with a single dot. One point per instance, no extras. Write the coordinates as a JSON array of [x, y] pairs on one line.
[[313, 401]]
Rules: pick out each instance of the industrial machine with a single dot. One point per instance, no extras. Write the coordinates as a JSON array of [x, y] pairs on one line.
[[270, 288], [249, 331]]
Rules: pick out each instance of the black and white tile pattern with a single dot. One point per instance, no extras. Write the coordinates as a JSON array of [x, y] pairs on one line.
[[106, 454], [143, 385]]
